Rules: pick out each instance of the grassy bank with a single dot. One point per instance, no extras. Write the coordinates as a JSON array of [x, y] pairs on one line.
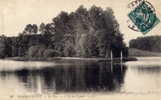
[[142, 53]]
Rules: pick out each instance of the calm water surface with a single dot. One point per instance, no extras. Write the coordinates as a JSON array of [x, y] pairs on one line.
[[134, 77]]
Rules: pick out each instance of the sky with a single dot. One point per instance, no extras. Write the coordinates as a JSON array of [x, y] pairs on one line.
[[15, 14]]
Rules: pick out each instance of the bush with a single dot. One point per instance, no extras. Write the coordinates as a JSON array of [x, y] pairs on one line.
[[2, 48], [50, 53], [36, 51]]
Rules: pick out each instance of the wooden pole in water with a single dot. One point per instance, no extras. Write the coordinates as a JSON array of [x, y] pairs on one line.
[[111, 56], [111, 61], [121, 58]]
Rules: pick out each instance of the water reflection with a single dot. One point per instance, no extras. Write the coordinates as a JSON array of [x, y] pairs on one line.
[[148, 69], [72, 78], [143, 76]]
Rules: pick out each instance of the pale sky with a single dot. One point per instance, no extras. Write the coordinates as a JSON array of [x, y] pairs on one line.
[[18, 13]]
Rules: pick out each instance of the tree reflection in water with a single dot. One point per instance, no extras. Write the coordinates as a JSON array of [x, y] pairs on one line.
[[74, 78]]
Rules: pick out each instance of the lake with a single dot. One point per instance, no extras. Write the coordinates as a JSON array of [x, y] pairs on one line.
[[134, 77]]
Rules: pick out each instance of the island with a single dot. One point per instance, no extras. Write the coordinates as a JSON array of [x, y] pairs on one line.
[[85, 34]]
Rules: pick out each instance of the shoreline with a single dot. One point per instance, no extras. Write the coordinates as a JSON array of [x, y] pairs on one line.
[[70, 59]]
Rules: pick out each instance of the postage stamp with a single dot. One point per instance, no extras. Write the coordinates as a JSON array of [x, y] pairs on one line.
[[144, 17]]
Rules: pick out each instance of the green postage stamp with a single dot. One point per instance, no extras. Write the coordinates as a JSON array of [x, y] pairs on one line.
[[144, 17]]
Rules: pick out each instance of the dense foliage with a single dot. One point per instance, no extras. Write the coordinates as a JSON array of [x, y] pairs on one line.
[[83, 33], [150, 43]]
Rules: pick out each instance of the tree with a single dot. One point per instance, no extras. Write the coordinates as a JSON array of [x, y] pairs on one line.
[[30, 29], [2, 46], [82, 33], [149, 43]]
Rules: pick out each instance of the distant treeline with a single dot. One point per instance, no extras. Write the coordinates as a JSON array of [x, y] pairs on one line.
[[149, 43], [83, 33]]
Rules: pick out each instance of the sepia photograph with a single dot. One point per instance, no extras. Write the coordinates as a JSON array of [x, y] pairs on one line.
[[80, 50]]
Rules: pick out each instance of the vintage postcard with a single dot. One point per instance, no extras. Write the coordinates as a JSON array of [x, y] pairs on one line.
[[80, 50]]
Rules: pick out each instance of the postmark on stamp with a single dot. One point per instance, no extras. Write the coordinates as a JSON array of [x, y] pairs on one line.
[[143, 17]]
